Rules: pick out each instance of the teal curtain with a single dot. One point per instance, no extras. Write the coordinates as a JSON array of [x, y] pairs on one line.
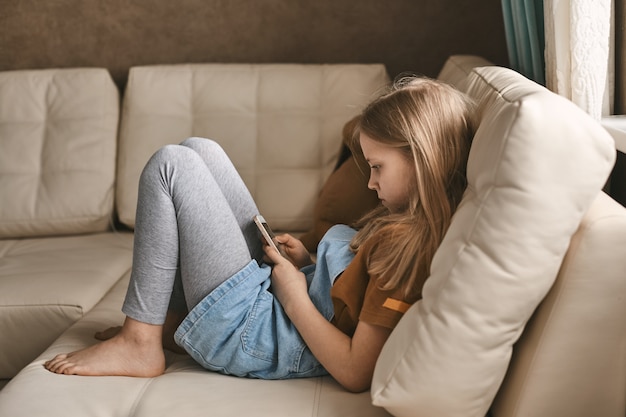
[[525, 38]]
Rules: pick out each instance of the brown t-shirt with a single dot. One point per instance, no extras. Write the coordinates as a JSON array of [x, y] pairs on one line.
[[357, 297]]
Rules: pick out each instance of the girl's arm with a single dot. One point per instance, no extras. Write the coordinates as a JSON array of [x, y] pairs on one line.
[[350, 360]]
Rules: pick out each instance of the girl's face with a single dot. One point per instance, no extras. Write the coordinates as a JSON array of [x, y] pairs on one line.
[[391, 173]]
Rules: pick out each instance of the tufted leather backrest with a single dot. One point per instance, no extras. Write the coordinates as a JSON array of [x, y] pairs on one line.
[[58, 138], [279, 123]]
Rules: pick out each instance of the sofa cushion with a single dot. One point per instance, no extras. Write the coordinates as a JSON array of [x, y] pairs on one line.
[[47, 284], [279, 123], [58, 137], [536, 164], [186, 389]]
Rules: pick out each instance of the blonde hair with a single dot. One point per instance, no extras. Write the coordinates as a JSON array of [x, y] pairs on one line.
[[431, 123]]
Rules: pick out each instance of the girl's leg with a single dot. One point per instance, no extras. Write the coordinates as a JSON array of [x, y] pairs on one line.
[[180, 206], [233, 188], [184, 222], [243, 208]]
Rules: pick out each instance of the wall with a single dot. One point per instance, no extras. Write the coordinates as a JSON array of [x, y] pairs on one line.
[[405, 35]]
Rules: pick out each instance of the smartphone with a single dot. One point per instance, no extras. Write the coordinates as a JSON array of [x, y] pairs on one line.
[[267, 233]]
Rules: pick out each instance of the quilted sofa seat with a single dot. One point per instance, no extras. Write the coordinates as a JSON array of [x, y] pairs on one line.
[[523, 316], [50, 283]]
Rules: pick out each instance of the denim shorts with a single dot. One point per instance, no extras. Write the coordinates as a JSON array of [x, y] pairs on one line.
[[241, 329]]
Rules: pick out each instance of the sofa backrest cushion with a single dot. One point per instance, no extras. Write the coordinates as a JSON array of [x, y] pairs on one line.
[[58, 137], [536, 164], [280, 124]]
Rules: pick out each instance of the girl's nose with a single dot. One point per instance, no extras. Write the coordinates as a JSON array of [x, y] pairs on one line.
[[371, 184]]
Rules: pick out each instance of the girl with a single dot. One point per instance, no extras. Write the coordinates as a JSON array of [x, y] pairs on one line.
[[197, 248]]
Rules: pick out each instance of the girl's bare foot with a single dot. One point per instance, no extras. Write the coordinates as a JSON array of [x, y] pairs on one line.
[[135, 351], [172, 321], [108, 333]]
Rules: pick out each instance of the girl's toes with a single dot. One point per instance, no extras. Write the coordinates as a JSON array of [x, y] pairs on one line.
[[54, 363]]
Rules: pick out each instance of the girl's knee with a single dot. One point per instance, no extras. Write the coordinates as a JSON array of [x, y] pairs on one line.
[[170, 155], [200, 144], [208, 149]]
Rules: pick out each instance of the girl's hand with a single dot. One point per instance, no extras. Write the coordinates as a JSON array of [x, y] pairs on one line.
[[288, 283], [295, 250]]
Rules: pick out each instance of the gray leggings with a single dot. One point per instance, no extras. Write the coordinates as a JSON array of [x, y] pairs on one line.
[[193, 229]]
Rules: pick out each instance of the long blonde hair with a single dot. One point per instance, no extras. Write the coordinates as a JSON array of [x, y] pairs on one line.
[[432, 124]]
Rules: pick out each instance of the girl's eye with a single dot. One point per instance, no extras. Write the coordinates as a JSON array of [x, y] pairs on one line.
[[375, 166]]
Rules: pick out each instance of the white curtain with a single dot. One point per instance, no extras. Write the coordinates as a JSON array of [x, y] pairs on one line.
[[579, 52]]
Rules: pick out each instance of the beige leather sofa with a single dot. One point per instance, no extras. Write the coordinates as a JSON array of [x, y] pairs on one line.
[[525, 310]]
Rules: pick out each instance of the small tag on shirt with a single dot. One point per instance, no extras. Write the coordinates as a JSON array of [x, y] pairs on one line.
[[396, 305]]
